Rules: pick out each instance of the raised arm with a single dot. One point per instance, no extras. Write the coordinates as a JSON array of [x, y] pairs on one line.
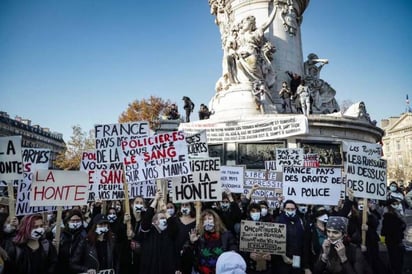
[[269, 21]]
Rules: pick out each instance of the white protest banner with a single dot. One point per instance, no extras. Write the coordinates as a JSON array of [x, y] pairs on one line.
[[106, 180], [202, 185], [270, 186], [197, 145], [308, 185], [270, 165], [109, 137], [164, 155], [33, 159], [262, 237], [11, 167], [59, 188], [254, 129], [232, 178], [288, 157], [365, 170], [311, 160]]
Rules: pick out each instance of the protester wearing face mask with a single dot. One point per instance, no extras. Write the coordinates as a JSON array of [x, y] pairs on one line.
[[72, 237], [291, 262], [338, 254], [265, 215], [180, 228], [31, 253], [229, 211], [210, 241], [393, 227], [98, 251], [396, 193], [256, 262], [170, 209], [158, 251]]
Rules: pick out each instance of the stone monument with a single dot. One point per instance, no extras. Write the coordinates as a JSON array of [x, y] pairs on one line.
[[262, 50]]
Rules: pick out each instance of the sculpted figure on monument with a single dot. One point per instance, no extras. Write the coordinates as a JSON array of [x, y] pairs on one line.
[[322, 94], [262, 96], [304, 96], [290, 19]]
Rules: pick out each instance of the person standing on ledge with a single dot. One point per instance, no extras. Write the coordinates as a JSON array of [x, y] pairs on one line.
[[188, 107]]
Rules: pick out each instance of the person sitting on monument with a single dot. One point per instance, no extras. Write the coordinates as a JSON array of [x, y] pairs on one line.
[[286, 95], [204, 112], [188, 107], [173, 113]]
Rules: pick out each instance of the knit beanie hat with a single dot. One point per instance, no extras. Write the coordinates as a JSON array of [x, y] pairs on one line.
[[230, 262]]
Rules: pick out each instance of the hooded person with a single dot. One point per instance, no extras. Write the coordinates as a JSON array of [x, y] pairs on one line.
[[230, 262], [338, 254]]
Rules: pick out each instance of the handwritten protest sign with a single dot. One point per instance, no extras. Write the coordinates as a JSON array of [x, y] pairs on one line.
[[164, 155], [11, 167], [197, 145], [270, 185], [311, 160], [59, 188], [365, 170], [288, 157], [202, 185], [109, 137], [308, 185], [270, 165], [33, 159], [106, 180], [232, 178], [262, 237]]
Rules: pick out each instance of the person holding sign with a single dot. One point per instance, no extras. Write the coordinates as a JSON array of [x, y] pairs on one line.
[[338, 254], [31, 254], [291, 261], [210, 241], [158, 251], [229, 212], [98, 251]]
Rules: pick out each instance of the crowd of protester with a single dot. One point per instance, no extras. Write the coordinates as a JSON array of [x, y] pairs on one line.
[[164, 237]]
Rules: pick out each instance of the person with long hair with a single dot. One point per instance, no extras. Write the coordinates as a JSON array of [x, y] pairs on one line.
[[97, 253], [210, 240], [31, 253]]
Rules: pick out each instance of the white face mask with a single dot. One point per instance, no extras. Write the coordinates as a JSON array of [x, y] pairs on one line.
[[225, 206], [264, 211], [209, 225], [162, 224], [303, 209], [74, 226], [393, 188], [118, 208], [8, 228], [138, 208], [335, 242], [37, 233], [185, 210], [101, 230], [49, 217], [170, 211], [397, 207], [255, 216], [111, 218], [323, 218], [291, 213]]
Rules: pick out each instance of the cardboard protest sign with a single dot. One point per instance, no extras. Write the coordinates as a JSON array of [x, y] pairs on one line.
[[262, 237], [155, 157], [311, 160], [11, 167], [308, 185], [288, 157], [109, 137], [33, 159], [202, 185], [106, 180], [197, 145], [365, 170], [232, 178], [59, 188], [270, 185]]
